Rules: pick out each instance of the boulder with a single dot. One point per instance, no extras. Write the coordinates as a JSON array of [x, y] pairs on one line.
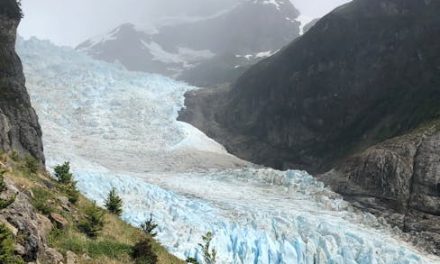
[[59, 220]]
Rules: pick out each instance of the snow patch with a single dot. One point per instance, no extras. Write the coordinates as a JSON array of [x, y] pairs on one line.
[[304, 20], [196, 139], [185, 56], [269, 2], [259, 55]]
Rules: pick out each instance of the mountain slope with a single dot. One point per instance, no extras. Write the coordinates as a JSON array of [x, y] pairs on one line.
[[398, 179], [363, 73], [367, 72], [43, 223], [205, 51], [19, 128]]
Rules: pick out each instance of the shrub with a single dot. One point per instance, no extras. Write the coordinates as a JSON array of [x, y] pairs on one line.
[[5, 203], [149, 226], [63, 174], [72, 192], [31, 164], [114, 203], [2, 180], [209, 255], [65, 177], [93, 221], [143, 253], [40, 201], [192, 261], [7, 247], [15, 156]]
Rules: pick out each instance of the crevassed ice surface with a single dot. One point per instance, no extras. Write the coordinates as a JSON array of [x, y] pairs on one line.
[[119, 129]]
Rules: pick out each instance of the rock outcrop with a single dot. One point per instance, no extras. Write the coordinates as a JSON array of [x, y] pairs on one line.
[[398, 179], [351, 96], [19, 127], [26, 223]]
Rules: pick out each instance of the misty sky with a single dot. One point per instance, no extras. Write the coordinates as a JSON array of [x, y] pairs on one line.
[[69, 22]]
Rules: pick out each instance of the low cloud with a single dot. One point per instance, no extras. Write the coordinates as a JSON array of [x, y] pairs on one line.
[[69, 22]]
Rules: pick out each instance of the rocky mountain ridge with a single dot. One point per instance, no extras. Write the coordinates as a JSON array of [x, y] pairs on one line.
[[206, 51]]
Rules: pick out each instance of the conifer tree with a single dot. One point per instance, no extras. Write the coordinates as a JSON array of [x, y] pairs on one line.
[[209, 254], [93, 221], [149, 226], [63, 174], [143, 253], [114, 203]]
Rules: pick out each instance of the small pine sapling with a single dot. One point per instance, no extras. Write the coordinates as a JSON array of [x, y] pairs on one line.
[[93, 221], [209, 255], [143, 253], [149, 226], [113, 203]]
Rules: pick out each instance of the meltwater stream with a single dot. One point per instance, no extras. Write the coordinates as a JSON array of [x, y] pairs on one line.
[[119, 129]]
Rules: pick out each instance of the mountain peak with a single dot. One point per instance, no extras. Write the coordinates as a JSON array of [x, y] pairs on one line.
[[285, 7], [277, 3], [228, 41]]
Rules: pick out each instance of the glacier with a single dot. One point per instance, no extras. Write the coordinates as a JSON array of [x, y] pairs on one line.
[[119, 129]]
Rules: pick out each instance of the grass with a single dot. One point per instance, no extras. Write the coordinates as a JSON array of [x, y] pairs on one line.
[[42, 200], [71, 240], [114, 243]]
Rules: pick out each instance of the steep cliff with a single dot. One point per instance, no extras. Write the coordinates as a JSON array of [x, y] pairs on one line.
[[353, 95], [19, 128]]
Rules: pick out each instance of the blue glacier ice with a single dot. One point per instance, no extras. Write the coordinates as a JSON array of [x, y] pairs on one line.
[[119, 129]]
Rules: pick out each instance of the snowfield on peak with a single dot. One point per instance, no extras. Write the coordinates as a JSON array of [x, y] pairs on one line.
[[119, 129], [200, 50]]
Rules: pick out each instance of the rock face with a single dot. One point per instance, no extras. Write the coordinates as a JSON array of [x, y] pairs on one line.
[[351, 96], [203, 51], [19, 128], [33, 228], [366, 72], [398, 179]]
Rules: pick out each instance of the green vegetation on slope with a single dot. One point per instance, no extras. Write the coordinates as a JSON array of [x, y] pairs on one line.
[[114, 243]]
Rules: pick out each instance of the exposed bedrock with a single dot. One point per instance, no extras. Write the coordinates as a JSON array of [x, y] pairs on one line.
[[19, 127]]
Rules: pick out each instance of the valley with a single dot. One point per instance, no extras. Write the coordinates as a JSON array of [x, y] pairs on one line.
[[119, 129]]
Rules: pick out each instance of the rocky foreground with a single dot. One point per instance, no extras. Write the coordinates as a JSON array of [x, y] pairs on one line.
[[42, 223]]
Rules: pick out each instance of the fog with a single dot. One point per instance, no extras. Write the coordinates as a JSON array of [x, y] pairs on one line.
[[69, 22]]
